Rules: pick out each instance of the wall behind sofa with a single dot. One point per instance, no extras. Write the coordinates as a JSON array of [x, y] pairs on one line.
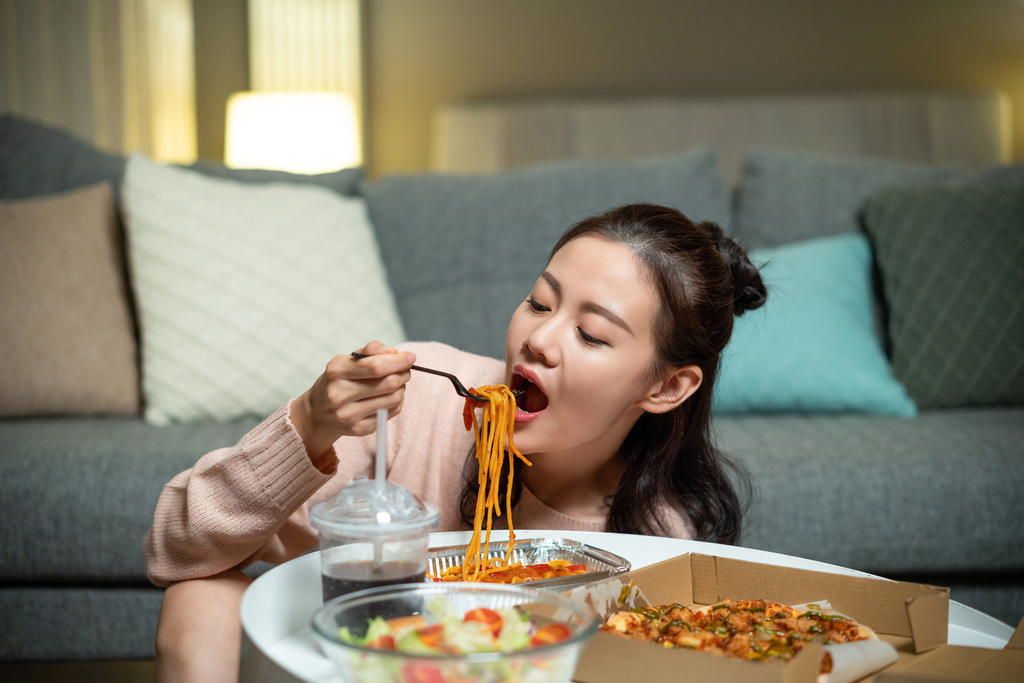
[[222, 67], [424, 54]]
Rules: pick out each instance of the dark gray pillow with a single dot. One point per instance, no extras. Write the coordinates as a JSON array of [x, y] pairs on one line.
[[36, 160], [344, 182], [950, 260], [788, 196], [463, 251]]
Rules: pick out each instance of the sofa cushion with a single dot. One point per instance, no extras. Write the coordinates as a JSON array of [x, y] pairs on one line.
[[78, 623], [789, 196], [463, 251], [79, 492], [936, 493], [950, 260], [67, 343], [939, 493], [245, 293], [812, 347]]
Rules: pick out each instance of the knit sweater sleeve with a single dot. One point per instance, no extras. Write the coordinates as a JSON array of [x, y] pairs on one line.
[[251, 501], [237, 505]]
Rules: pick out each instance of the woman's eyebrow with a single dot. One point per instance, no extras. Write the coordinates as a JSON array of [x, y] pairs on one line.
[[591, 307], [588, 306], [553, 282]]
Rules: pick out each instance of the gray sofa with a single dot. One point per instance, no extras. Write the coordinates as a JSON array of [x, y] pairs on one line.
[[933, 498]]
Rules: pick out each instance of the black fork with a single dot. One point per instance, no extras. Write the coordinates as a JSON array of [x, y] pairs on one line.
[[459, 388]]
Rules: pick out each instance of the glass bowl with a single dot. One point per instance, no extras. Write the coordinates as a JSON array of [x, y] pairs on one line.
[[543, 664]]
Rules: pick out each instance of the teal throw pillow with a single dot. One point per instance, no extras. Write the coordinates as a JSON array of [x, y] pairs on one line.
[[812, 347]]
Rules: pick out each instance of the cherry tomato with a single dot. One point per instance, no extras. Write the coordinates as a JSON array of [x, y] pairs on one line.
[[467, 414], [430, 635], [485, 616], [542, 568], [577, 567], [419, 673], [382, 643], [552, 633]]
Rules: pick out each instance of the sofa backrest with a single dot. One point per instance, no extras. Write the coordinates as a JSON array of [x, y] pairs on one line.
[[463, 251]]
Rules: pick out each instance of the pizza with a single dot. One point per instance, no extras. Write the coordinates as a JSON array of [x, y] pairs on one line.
[[748, 629]]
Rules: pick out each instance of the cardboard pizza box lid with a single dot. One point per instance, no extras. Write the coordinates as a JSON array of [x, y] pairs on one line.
[[964, 664], [913, 617], [1017, 639]]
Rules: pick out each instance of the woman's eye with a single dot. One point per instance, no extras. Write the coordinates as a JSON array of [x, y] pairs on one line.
[[588, 339], [537, 307]]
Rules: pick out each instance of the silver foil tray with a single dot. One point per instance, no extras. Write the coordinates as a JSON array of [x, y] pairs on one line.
[[601, 564]]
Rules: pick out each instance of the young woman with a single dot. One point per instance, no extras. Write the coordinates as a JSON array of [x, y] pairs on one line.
[[616, 347]]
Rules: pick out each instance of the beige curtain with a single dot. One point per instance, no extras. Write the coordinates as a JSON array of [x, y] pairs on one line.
[[119, 73], [306, 45]]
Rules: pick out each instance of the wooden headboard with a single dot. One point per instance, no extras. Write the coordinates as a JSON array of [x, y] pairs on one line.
[[971, 129]]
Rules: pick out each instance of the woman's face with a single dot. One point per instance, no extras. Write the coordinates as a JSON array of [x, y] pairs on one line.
[[582, 345]]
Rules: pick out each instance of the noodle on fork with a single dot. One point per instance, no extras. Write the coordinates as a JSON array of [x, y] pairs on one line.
[[493, 431]]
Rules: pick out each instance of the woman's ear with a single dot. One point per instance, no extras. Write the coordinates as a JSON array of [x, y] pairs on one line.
[[673, 390]]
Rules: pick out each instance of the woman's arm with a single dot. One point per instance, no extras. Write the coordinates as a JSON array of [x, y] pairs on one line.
[[245, 503]]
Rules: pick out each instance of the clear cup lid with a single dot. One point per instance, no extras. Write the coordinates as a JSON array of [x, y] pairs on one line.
[[365, 509]]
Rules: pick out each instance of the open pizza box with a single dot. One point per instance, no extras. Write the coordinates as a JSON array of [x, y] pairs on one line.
[[911, 617], [960, 663]]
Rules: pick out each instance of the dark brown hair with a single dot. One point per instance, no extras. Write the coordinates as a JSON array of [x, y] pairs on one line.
[[704, 279]]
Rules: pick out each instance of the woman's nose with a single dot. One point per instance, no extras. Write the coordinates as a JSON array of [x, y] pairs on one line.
[[542, 342]]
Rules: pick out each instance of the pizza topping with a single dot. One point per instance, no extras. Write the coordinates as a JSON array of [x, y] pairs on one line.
[[824, 617]]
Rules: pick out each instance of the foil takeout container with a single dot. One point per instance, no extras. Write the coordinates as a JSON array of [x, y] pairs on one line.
[[601, 564]]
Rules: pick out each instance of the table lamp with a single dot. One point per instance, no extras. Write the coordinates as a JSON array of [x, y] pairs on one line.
[[300, 132]]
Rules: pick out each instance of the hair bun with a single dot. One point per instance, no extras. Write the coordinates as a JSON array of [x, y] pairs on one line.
[[749, 291]]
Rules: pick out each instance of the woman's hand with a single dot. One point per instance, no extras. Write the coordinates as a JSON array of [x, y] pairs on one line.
[[344, 400]]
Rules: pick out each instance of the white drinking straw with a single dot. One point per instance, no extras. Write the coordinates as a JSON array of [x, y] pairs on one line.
[[382, 446], [379, 477]]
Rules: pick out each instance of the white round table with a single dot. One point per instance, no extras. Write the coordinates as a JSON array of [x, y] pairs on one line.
[[277, 645]]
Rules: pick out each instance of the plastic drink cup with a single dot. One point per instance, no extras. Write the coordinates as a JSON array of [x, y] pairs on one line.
[[372, 534]]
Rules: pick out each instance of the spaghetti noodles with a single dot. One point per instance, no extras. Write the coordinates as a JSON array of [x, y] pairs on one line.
[[492, 431], [517, 572]]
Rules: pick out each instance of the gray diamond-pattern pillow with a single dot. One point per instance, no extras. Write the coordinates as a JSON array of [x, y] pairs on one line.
[[952, 264]]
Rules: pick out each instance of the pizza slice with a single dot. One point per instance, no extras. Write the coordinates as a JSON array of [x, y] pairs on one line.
[[756, 630]]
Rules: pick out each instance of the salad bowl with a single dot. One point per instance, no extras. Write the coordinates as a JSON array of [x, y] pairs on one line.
[[465, 632]]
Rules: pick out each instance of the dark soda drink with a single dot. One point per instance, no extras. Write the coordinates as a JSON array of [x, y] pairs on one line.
[[346, 577]]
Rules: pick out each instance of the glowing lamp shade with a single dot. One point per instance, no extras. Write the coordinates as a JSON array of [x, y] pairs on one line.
[[301, 132]]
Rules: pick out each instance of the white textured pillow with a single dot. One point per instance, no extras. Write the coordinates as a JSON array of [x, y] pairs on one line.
[[246, 291]]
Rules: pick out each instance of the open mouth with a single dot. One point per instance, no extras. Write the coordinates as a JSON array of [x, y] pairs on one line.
[[529, 397]]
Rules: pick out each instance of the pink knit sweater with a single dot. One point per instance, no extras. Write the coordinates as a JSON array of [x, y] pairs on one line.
[[251, 501]]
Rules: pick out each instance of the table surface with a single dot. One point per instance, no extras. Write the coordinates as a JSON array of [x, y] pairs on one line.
[[278, 606]]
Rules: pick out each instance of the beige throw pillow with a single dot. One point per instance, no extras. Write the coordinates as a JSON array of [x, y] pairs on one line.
[[66, 339], [245, 292]]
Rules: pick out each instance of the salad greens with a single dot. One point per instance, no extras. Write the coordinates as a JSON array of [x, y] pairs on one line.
[[441, 631]]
